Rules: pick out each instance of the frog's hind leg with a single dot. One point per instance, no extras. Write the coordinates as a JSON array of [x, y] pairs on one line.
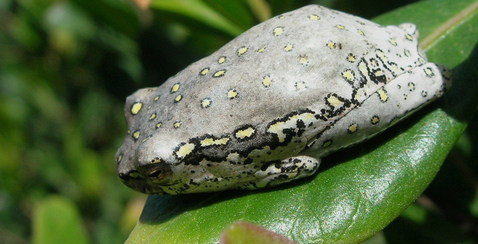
[[286, 170]]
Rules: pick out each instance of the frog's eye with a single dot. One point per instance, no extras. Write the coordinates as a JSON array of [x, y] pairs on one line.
[[153, 171], [156, 171]]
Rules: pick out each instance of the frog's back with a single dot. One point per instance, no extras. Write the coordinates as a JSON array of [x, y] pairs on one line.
[[294, 61]]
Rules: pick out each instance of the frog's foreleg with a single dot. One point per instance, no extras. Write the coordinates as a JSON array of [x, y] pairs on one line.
[[286, 170]]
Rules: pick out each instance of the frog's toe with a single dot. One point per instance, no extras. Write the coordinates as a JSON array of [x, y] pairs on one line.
[[286, 170]]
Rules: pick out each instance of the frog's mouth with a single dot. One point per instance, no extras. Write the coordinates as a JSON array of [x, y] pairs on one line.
[[147, 186], [149, 178]]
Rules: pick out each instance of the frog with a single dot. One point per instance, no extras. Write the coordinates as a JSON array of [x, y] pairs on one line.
[[265, 108]]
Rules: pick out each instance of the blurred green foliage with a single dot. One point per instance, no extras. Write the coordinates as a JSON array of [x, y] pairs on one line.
[[66, 67], [56, 220]]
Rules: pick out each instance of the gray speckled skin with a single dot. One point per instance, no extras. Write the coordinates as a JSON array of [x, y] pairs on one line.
[[265, 108]]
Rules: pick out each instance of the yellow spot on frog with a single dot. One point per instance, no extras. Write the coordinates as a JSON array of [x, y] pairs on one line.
[[335, 102], [177, 124], [213, 142], [156, 98], [278, 31], [304, 60], [352, 128], [288, 47], [207, 142], [340, 27], [222, 59], [429, 72], [382, 94], [266, 81], [379, 73], [178, 98], [245, 133], [175, 88], [300, 85], [204, 71], [156, 161], [314, 17], [261, 50], [305, 117], [375, 119], [407, 53], [392, 41], [136, 134], [241, 51], [278, 129], [185, 149], [351, 58], [360, 94], [360, 32], [158, 125], [331, 45], [232, 94], [153, 116], [136, 108], [409, 37], [206, 102], [219, 73], [348, 75], [363, 68]]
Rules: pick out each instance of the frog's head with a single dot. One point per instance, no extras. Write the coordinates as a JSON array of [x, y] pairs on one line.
[[142, 171], [160, 154], [159, 165], [145, 160]]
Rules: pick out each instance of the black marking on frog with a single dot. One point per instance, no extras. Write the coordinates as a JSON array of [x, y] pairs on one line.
[[334, 111]]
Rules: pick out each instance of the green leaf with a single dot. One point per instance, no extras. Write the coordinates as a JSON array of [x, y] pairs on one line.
[[199, 11], [364, 188], [57, 220], [244, 232]]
